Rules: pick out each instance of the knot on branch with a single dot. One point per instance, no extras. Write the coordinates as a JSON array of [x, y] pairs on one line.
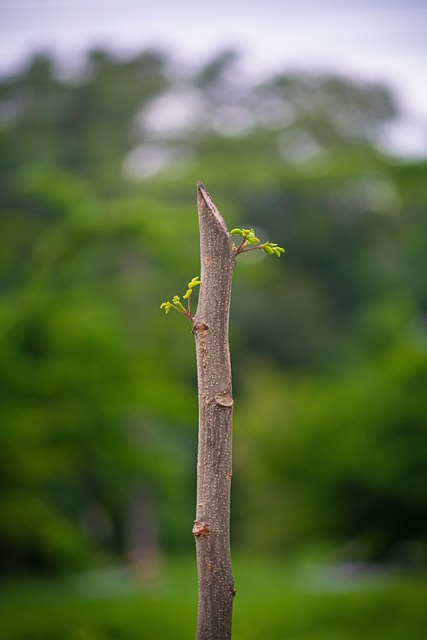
[[231, 588], [223, 399], [200, 327], [200, 528]]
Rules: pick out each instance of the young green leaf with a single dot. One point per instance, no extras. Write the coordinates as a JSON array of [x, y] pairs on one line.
[[249, 238], [176, 300]]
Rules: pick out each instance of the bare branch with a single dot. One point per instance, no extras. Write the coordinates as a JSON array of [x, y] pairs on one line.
[[214, 469]]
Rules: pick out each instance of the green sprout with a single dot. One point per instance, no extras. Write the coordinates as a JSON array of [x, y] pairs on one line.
[[249, 238], [249, 243], [177, 304]]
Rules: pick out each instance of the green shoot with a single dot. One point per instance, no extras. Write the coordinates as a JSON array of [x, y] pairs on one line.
[[249, 243], [249, 238], [177, 304]]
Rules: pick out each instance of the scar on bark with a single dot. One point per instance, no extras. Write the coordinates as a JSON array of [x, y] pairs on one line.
[[224, 399], [200, 327], [200, 528]]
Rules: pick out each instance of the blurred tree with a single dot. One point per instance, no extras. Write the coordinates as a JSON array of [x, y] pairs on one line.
[[342, 459], [333, 110], [84, 412], [86, 126], [96, 411]]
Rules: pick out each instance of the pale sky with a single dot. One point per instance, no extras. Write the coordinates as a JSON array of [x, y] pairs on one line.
[[373, 39]]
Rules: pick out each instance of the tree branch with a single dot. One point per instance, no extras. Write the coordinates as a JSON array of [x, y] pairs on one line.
[[214, 468]]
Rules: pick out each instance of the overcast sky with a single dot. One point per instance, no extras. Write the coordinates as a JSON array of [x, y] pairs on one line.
[[376, 39]]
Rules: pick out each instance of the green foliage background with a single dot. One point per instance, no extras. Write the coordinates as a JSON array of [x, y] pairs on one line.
[[98, 226]]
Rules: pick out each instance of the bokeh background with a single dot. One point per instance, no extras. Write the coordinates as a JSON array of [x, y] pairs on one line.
[[307, 123]]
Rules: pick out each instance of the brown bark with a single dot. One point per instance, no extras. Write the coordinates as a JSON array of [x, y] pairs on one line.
[[214, 466]]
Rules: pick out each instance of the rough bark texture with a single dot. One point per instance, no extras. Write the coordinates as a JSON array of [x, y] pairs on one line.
[[214, 468]]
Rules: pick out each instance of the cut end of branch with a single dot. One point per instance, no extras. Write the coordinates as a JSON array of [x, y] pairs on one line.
[[204, 200]]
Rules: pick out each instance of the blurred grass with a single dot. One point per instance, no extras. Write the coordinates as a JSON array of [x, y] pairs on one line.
[[273, 601]]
